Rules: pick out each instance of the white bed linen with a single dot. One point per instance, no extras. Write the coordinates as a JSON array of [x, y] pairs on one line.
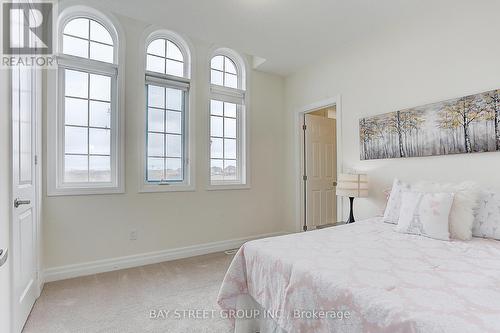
[[251, 321], [387, 281]]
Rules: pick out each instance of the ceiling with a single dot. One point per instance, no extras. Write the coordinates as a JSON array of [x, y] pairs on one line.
[[288, 34]]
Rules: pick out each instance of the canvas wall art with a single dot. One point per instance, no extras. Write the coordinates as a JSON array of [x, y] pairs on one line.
[[462, 125]]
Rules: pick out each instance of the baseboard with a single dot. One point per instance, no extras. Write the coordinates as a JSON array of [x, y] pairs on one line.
[[108, 265], [41, 283]]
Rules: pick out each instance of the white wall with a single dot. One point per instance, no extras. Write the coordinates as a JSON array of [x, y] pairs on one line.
[[451, 52], [86, 228], [4, 198]]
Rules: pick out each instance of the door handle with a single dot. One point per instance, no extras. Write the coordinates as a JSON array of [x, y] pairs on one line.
[[4, 254], [334, 184], [18, 202]]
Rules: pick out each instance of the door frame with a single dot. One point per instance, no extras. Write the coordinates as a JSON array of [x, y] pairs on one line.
[[38, 189], [299, 154]]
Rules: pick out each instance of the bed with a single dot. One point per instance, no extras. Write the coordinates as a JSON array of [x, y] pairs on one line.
[[365, 277]]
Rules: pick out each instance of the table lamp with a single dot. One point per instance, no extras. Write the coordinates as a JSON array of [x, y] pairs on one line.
[[352, 186]]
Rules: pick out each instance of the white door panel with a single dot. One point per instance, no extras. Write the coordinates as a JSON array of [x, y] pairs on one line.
[[331, 161], [5, 201], [25, 105], [316, 208], [321, 161], [315, 162]]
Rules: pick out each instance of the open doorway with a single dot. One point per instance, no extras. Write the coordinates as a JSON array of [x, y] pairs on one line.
[[319, 151]]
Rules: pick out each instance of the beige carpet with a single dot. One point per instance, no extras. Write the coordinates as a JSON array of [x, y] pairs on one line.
[[121, 301]]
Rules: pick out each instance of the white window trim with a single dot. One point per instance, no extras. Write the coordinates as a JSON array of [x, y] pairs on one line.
[[166, 80], [55, 146], [239, 96]]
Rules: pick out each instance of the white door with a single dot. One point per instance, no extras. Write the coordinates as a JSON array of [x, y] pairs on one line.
[[25, 106], [5, 203], [321, 170]]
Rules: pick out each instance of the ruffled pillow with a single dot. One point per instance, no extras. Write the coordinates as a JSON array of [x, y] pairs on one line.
[[391, 213]]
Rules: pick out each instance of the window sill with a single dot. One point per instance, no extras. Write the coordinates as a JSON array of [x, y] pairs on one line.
[[67, 191], [151, 188], [228, 187]]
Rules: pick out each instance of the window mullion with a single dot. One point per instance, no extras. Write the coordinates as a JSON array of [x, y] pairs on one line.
[[88, 44], [223, 141], [238, 141], [88, 120], [165, 131], [224, 71]]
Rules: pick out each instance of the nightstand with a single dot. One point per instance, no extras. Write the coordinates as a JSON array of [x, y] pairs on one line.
[[328, 225]]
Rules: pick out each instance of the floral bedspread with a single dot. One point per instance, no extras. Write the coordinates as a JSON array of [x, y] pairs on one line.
[[366, 277]]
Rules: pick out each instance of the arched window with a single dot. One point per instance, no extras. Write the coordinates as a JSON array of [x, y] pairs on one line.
[[88, 135], [167, 98], [164, 56], [223, 72], [228, 143], [87, 38]]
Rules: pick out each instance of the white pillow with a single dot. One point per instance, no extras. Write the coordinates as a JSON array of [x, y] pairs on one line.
[[391, 213], [425, 214], [487, 215], [462, 210]]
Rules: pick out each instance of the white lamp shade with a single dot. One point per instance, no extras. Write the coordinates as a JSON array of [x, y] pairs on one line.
[[352, 185]]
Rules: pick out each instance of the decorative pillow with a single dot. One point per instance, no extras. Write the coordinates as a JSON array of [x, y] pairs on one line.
[[462, 210], [487, 215], [391, 213], [426, 214]]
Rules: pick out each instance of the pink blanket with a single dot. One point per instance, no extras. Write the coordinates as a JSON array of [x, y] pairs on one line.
[[366, 277]]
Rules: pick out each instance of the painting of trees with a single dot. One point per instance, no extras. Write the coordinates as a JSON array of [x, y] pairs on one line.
[[462, 113], [376, 138], [395, 125], [463, 125], [367, 134], [411, 123], [492, 100]]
